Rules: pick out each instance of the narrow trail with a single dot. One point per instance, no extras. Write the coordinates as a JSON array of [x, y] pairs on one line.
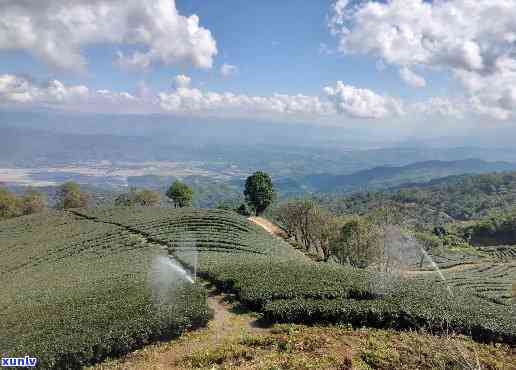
[[228, 323], [268, 226]]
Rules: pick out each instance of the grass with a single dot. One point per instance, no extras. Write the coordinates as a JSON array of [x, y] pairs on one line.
[[303, 347]]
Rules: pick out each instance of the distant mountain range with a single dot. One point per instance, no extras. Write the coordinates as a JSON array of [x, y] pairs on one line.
[[389, 176]]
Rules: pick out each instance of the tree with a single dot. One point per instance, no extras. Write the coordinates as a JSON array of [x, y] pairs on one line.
[[32, 201], [69, 195], [181, 194], [243, 210], [9, 205], [259, 191], [148, 198], [143, 198], [323, 228], [313, 227], [124, 200], [359, 243]]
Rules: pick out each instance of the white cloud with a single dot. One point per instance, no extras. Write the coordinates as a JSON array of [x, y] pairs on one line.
[[194, 101], [14, 89], [440, 106], [56, 31], [182, 81], [361, 103], [228, 70], [334, 102], [411, 78], [341, 99], [472, 39]]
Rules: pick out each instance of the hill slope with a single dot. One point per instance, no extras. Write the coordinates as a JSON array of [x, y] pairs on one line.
[[76, 291], [87, 283], [269, 276], [462, 197], [389, 176]]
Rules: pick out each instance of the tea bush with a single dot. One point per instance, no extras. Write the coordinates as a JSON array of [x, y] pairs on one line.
[[76, 291], [270, 276]]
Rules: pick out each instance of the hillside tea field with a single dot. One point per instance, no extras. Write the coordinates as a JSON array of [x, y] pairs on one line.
[[271, 277], [84, 284], [75, 291]]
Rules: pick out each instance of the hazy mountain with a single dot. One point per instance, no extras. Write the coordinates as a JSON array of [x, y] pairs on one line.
[[388, 177]]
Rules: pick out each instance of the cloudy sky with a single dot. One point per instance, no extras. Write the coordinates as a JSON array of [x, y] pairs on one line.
[[374, 62]]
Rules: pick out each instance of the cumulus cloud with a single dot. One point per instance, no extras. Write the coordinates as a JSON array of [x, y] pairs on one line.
[[361, 103], [56, 31], [181, 81], [190, 100], [341, 99], [334, 101], [412, 78], [228, 70], [16, 90], [472, 39]]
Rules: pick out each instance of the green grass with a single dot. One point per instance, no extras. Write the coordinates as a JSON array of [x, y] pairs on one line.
[[333, 347], [76, 291]]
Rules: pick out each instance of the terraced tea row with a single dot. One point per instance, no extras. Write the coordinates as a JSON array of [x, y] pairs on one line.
[[503, 252], [76, 291], [270, 276], [492, 282]]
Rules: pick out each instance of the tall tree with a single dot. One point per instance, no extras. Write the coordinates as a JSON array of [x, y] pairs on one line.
[[259, 191], [69, 195], [181, 194]]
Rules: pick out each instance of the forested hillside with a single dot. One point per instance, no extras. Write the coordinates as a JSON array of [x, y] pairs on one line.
[[463, 197], [385, 177]]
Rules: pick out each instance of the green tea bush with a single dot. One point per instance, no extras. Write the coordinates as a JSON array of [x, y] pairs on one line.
[[411, 306], [76, 291], [270, 276]]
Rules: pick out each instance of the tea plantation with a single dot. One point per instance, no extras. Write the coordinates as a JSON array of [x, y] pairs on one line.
[[75, 291], [270, 276], [80, 285]]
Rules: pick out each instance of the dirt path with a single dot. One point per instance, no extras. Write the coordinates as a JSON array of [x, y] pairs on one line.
[[228, 324], [269, 226]]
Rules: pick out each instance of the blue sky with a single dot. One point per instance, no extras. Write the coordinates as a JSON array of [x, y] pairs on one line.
[[395, 68], [275, 45]]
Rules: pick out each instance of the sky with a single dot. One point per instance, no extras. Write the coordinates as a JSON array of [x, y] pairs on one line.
[[447, 64]]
